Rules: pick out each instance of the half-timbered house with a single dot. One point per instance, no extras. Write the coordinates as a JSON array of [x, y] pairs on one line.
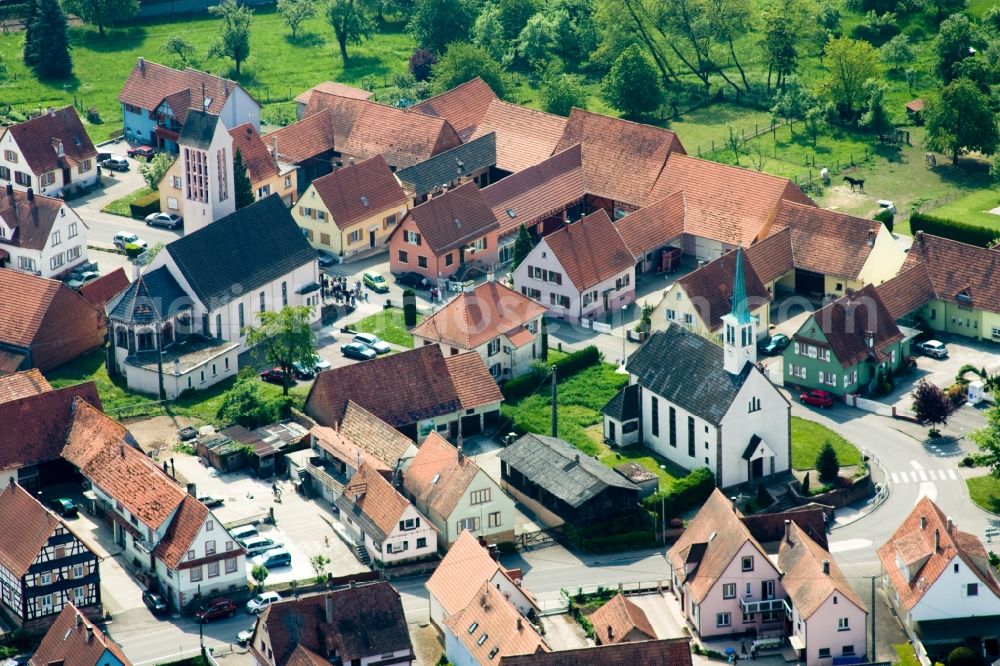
[[44, 567]]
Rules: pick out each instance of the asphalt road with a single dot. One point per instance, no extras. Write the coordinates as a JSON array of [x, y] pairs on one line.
[[150, 640]]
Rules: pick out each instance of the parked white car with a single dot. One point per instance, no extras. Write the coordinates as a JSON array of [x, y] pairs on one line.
[[262, 601], [933, 348], [373, 342]]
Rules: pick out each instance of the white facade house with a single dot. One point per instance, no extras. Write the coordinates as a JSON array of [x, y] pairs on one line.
[[40, 235], [206, 166], [51, 154]]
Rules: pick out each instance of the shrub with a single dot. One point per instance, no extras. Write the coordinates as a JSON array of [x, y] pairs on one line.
[[963, 656], [968, 461], [885, 216], [145, 205], [805, 484], [959, 231], [133, 250], [94, 116], [420, 64], [827, 464], [957, 394], [683, 494], [523, 386], [409, 308]]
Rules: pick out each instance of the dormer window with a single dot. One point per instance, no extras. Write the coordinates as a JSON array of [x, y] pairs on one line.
[[964, 300]]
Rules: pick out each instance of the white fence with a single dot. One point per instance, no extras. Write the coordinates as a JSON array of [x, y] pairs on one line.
[[873, 406]]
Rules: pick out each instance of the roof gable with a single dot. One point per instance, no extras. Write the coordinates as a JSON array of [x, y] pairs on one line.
[[710, 289], [359, 191], [802, 562], [260, 164], [619, 617], [26, 302], [308, 138], [772, 257], [653, 225], [44, 420], [333, 88], [491, 625], [846, 324], [153, 296], [827, 242], [150, 83], [184, 529], [54, 140], [958, 268], [104, 288], [30, 222], [373, 435], [907, 291], [27, 527], [590, 251], [440, 475], [368, 494], [525, 136], [461, 573], [464, 106], [73, 640], [453, 219]]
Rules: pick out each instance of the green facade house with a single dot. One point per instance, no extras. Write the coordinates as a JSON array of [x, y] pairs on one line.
[[845, 347]]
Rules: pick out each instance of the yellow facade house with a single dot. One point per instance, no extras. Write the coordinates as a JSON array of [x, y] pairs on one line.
[[352, 211]]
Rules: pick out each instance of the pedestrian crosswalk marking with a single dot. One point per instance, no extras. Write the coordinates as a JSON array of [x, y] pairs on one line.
[[923, 476]]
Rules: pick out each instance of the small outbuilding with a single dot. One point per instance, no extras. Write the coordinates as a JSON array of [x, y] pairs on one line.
[[647, 481]]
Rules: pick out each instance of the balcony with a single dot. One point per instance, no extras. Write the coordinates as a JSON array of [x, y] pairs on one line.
[[326, 474], [749, 606]]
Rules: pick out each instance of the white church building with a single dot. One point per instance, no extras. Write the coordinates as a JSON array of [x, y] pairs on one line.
[[702, 405]]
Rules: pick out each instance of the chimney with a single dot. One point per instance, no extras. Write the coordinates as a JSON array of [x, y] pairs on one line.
[[520, 623], [788, 531], [350, 161], [937, 540], [51, 111], [177, 367], [10, 189], [274, 149], [490, 276], [871, 238], [203, 97], [59, 148], [611, 633], [923, 522], [461, 453], [142, 64], [920, 237], [826, 567], [578, 459], [329, 609], [121, 450], [951, 524], [31, 194], [79, 620], [90, 633], [10, 482], [192, 490]]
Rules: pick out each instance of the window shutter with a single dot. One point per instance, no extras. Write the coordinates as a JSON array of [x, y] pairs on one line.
[[419, 240], [401, 524]]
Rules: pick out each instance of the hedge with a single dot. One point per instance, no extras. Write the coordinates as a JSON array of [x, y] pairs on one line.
[[958, 231], [630, 530], [683, 494], [143, 206], [523, 386]]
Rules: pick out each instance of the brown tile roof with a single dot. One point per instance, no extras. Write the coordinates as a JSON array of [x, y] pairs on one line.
[[104, 452], [305, 139], [489, 614], [38, 140], [958, 268], [907, 291], [149, 83], [43, 423], [373, 435], [710, 289], [367, 621], [438, 476], [256, 156], [590, 250], [22, 385], [846, 321], [770, 527], [827, 242], [724, 203], [30, 222], [356, 192], [27, 527], [183, 530], [331, 441], [525, 136], [333, 88], [302, 656], [710, 542], [915, 544], [801, 559], [669, 651], [474, 318], [106, 287], [538, 191], [464, 106], [400, 389], [456, 581], [375, 497], [654, 225], [11, 361], [455, 218], [616, 619], [25, 305], [772, 257], [621, 159], [73, 641], [474, 384]]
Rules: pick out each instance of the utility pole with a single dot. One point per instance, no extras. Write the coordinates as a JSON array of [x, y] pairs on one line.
[[874, 656], [555, 404]]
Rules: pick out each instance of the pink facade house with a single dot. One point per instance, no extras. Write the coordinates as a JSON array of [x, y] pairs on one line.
[[444, 234], [582, 271]]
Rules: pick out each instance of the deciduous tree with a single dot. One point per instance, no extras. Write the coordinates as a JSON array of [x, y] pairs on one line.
[[897, 53], [245, 404], [463, 62], [849, 63], [153, 170], [103, 13], [930, 405], [295, 13], [352, 23], [46, 44], [234, 34], [955, 35], [988, 440], [435, 24], [285, 338], [786, 26], [561, 92], [961, 120], [487, 34], [514, 15], [536, 42], [420, 64], [633, 86], [180, 48], [522, 246]]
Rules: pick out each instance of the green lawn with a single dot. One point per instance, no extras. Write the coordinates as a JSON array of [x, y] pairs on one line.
[[973, 209], [387, 324], [905, 655], [808, 437], [120, 402], [121, 206], [985, 491]]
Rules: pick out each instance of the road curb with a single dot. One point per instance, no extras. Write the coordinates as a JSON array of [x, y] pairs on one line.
[[877, 502]]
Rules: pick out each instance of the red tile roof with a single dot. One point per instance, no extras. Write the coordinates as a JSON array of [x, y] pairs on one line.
[[491, 625], [590, 250], [621, 159], [914, 545], [474, 318], [30, 223], [256, 156], [25, 305], [73, 641], [846, 321], [373, 435], [538, 191], [455, 218], [305, 139], [106, 287], [724, 203], [915, 105], [44, 421], [525, 136], [38, 140], [342, 448], [956, 268], [619, 617], [907, 291], [474, 384], [183, 530], [27, 527], [464, 106], [359, 191], [827, 242], [438, 476], [654, 225], [710, 289], [669, 651], [149, 83], [802, 560], [333, 88], [461, 573], [22, 385], [772, 257], [375, 497]]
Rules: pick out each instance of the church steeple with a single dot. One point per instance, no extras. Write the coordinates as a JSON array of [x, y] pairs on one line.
[[739, 342]]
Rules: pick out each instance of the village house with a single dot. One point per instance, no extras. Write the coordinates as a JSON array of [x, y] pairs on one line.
[[330, 88], [673, 651], [457, 495], [560, 486], [51, 154], [44, 323], [40, 235], [385, 526], [416, 392], [307, 145], [495, 321], [490, 627], [469, 162], [352, 212], [100, 291], [361, 625], [620, 621], [156, 101], [445, 234], [74, 641], [44, 566], [196, 298], [583, 271], [941, 585], [848, 346], [267, 174]]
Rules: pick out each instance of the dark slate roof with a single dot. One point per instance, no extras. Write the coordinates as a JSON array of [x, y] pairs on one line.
[[198, 130], [148, 299], [558, 467], [686, 369], [242, 251], [449, 165], [625, 405]]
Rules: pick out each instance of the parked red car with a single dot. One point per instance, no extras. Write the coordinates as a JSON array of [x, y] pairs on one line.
[[215, 609], [817, 398], [141, 151], [275, 376]]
